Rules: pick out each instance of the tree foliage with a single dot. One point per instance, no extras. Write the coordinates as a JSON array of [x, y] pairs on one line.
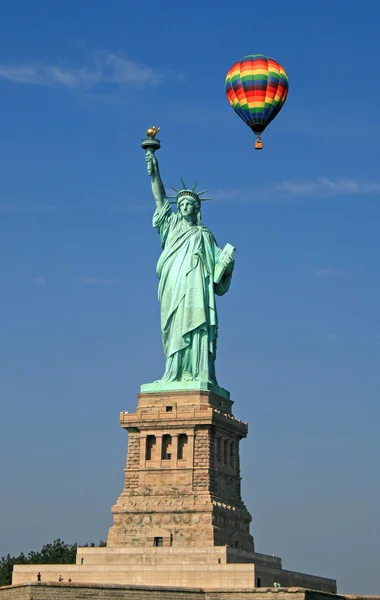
[[56, 553]]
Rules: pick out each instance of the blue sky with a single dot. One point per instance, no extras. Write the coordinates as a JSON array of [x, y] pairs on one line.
[[299, 329]]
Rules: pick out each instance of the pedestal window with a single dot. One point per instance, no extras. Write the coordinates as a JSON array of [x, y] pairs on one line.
[[182, 446], [226, 454], [150, 446], [166, 452]]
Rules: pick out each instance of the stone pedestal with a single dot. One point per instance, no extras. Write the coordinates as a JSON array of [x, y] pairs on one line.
[[180, 520], [182, 480]]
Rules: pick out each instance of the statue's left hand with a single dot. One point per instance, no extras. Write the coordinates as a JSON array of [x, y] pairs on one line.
[[229, 263]]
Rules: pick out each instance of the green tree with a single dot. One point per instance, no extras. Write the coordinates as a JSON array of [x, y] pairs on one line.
[[6, 567], [56, 553]]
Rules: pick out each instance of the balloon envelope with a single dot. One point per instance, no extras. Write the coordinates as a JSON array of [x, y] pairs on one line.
[[256, 88]]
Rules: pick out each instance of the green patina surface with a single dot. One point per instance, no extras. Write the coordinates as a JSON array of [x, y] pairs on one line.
[[180, 386], [192, 270]]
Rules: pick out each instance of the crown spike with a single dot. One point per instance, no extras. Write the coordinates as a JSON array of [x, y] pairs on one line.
[[186, 192]]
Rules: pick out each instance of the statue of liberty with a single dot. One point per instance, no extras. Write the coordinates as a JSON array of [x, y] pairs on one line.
[[191, 270]]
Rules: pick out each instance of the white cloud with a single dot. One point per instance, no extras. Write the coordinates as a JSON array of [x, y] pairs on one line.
[[102, 68], [40, 281], [327, 274], [330, 336], [327, 186], [321, 187], [98, 281]]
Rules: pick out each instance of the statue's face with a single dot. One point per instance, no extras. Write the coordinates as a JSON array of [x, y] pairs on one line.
[[187, 208]]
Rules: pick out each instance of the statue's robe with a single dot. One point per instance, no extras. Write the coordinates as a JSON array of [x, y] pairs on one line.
[[186, 292]]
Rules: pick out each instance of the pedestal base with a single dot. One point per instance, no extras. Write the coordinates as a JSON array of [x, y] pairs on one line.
[[220, 567]]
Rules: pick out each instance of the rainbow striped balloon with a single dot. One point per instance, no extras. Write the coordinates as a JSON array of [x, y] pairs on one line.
[[256, 88]]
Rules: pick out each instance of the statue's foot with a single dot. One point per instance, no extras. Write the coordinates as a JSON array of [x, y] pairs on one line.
[[187, 376]]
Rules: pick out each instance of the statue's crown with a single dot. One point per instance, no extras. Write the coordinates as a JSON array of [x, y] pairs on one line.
[[186, 192]]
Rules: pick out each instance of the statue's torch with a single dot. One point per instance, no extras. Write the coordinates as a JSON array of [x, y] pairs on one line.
[[150, 144]]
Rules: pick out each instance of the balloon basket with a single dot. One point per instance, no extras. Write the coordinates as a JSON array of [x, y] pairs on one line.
[[258, 144]]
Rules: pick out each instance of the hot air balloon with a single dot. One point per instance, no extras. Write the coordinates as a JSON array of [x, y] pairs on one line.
[[256, 88]]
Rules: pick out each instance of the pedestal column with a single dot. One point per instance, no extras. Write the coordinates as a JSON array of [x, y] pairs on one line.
[[193, 500]]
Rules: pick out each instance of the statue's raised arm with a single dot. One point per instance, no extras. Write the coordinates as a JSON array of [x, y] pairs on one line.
[[150, 145], [155, 177]]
